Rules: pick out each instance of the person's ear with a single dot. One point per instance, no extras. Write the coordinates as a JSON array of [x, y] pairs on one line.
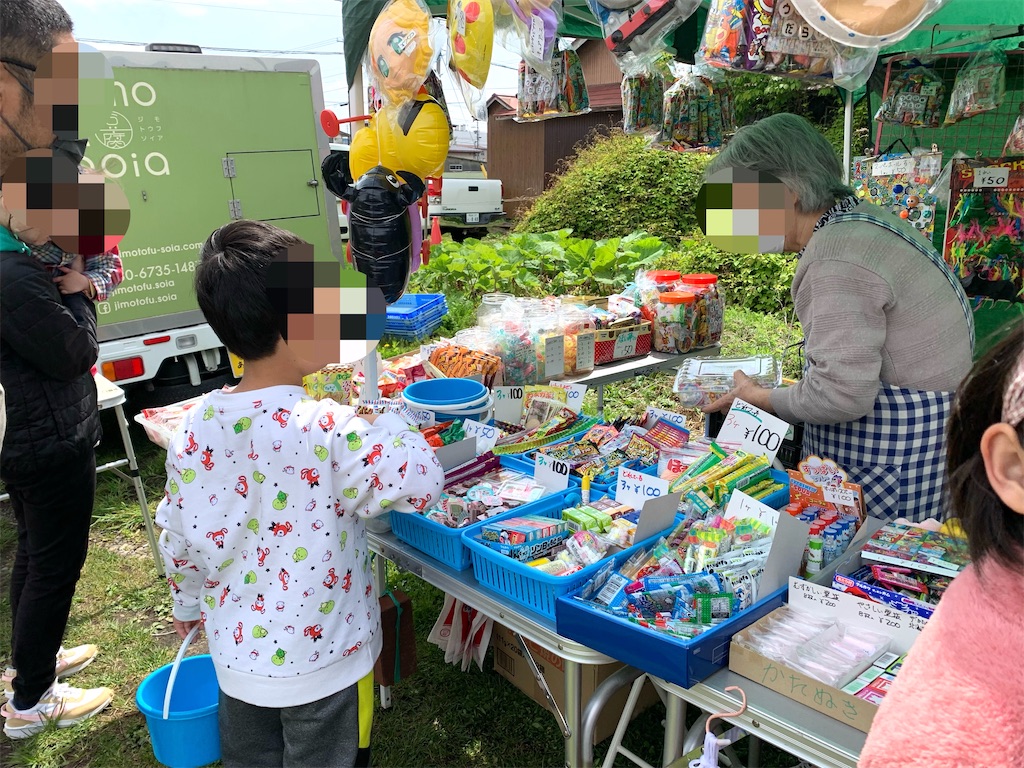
[[1004, 464]]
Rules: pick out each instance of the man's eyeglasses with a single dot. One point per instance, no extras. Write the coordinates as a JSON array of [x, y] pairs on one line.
[[18, 63]]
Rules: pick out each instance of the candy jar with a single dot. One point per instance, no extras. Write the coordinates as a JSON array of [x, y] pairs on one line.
[[708, 308], [490, 305], [578, 327], [544, 324], [673, 322]]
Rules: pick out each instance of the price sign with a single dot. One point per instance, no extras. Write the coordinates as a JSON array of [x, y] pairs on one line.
[[894, 167], [742, 507], [508, 404], [846, 497], [537, 37], [754, 430], [573, 394], [485, 436], [653, 415], [585, 351], [460, 18], [554, 355], [551, 473], [991, 177], [625, 344], [636, 489]]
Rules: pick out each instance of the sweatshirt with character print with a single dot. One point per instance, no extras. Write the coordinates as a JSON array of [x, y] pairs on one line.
[[264, 539]]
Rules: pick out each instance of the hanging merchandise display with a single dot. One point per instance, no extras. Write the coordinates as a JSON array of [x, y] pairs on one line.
[[1015, 141], [901, 183], [866, 24], [643, 96], [796, 48], [979, 87], [399, 51], [723, 43], [638, 28], [471, 42], [697, 111], [413, 138], [435, 90], [364, 151], [530, 27], [914, 98], [985, 234], [562, 93]]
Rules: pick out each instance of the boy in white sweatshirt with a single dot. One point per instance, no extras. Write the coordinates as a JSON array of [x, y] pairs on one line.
[[263, 535]]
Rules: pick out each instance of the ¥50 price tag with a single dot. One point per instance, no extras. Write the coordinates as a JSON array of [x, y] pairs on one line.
[[991, 177], [485, 436], [754, 430], [552, 473], [573, 394], [508, 404]]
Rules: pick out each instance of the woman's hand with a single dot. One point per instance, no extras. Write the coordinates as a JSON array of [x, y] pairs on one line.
[[746, 389]]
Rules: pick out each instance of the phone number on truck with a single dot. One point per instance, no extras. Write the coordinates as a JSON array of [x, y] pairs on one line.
[[160, 270]]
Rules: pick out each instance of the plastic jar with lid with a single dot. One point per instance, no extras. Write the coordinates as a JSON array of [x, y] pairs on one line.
[[543, 324], [511, 335], [578, 328], [673, 322], [651, 284], [708, 308], [490, 305]]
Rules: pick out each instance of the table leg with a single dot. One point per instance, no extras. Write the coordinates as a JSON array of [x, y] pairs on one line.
[[600, 401], [140, 489], [380, 578], [574, 714], [675, 729]]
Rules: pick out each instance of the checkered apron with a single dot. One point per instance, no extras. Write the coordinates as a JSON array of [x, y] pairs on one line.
[[897, 453]]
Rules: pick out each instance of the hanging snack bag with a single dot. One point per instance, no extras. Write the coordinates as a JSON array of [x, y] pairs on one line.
[[979, 87], [914, 98], [757, 25], [643, 94], [563, 93], [723, 44], [795, 48], [530, 27], [1015, 141]]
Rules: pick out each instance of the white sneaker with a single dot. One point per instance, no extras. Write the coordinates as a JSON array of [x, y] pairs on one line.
[[69, 662], [61, 704]]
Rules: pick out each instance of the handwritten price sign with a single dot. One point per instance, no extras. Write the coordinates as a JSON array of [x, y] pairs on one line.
[[485, 436], [551, 473], [653, 415], [636, 489], [508, 404], [991, 177], [754, 430], [573, 394]]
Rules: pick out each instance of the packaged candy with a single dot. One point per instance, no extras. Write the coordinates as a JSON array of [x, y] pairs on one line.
[[1015, 141], [979, 87], [702, 381], [643, 94], [914, 98], [723, 44], [794, 47], [562, 93]]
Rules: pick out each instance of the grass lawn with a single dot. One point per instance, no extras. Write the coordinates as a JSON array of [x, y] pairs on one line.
[[440, 716]]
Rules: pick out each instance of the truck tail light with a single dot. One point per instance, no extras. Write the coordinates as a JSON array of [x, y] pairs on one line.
[[156, 340], [129, 368]]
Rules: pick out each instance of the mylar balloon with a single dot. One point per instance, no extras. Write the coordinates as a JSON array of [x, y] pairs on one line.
[[399, 49], [471, 27], [414, 137]]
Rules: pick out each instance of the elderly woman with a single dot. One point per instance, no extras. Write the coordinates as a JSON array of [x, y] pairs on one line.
[[888, 330]]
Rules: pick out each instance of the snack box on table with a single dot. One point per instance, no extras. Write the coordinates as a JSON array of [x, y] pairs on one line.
[[531, 587], [445, 544], [612, 345], [847, 578]]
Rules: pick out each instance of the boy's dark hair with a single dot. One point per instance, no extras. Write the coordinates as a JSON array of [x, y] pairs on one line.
[[29, 30], [993, 529], [231, 285]]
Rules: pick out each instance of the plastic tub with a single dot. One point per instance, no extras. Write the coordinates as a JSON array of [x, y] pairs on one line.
[[442, 392]]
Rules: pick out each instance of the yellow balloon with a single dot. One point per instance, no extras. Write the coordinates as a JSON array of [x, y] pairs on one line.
[[471, 28], [415, 138], [364, 152], [400, 50]]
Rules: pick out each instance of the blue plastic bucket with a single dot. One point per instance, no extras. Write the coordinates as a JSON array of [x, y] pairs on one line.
[[187, 734], [445, 392]]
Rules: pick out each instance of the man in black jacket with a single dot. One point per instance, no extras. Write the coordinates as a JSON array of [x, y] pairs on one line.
[[48, 463]]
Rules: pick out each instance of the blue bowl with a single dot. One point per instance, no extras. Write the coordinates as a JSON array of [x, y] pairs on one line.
[[445, 391]]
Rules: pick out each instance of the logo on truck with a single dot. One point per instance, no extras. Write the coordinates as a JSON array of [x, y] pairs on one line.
[[119, 133]]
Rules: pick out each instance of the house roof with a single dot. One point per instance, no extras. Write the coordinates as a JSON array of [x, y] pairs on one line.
[[603, 98]]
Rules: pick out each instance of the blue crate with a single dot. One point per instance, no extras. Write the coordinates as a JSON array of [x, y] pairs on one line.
[[416, 315], [683, 662], [446, 544], [527, 464], [530, 587]]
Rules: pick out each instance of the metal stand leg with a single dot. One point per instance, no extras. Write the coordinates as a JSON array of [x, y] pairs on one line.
[[573, 713], [753, 751], [675, 729], [380, 578], [135, 478], [600, 401]]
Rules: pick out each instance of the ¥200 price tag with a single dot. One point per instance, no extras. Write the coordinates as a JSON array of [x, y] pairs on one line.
[[754, 430], [485, 435], [553, 474], [991, 177], [573, 394], [508, 404]]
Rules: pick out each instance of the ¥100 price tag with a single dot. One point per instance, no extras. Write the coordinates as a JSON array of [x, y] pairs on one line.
[[508, 404], [552, 473], [846, 497], [485, 435], [573, 394], [754, 430], [991, 177]]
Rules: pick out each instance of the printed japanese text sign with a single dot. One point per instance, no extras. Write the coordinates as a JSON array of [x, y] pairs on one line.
[[755, 431]]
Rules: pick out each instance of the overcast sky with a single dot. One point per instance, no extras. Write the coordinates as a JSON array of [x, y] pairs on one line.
[[312, 26]]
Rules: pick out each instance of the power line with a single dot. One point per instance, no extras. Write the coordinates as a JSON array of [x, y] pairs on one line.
[[215, 48], [243, 8]]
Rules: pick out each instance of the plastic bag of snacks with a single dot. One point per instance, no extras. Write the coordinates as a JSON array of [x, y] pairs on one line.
[[643, 95], [1015, 141], [796, 48], [562, 93], [979, 87], [333, 382], [702, 381], [723, 44], [708, 308], [914, 98], [697, 112], [530, 27]]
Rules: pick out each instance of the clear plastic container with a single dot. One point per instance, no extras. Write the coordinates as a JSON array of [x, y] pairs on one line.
[[673, 322], [510, 335], [579, 330], [543, 323], [652, 283], [703, 380], [491, 305], [708, 308]]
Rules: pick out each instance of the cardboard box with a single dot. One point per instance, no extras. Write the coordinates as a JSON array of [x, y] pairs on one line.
[[842, 706], [510, 663]]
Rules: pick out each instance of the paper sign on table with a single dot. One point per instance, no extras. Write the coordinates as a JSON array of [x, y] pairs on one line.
[[551, 473], [756, 431], [625, 344], [554, 356], [786, 554], [456, 454], [835, 494], [573, 394], [656, 515], [635, 488], [652, 415], [485, 436], [741, 506], [585, 345], [508, 404]]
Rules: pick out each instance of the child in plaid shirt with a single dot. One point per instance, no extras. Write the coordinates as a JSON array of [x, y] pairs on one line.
[[97, 279]]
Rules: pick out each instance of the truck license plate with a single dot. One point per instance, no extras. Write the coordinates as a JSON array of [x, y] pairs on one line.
[[472, 218]]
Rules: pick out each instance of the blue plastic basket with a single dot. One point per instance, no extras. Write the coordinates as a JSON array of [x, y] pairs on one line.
[[527, 464], [446, 545], [531, 587], [416, 315]]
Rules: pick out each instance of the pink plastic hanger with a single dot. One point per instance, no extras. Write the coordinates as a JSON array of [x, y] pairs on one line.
[[711, 742]]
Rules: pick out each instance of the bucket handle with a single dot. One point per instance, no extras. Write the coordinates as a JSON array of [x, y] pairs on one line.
[[174, 668]]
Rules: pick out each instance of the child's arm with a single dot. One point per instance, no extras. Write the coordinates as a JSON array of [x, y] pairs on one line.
[[388, 467], [105, 272], [184, 576]]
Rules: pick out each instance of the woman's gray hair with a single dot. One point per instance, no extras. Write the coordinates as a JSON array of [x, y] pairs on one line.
[[790, 148]]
